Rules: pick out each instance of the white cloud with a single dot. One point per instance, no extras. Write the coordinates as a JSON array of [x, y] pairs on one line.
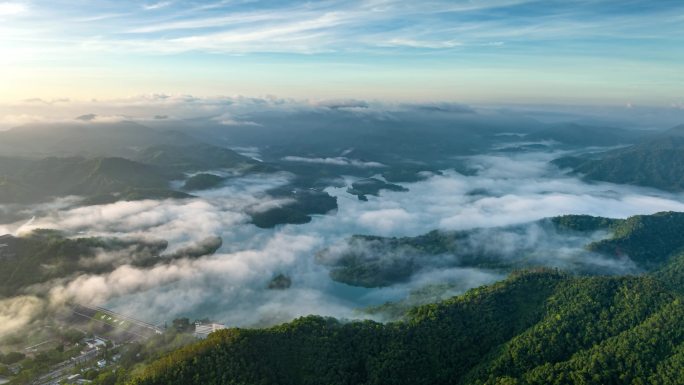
[[17, 312], [159, 5], [385, 221], [12, 8], [337, 161], [432, 44], [230, 286]]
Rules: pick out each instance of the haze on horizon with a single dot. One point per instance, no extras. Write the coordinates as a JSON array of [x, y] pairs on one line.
[[501, 51]]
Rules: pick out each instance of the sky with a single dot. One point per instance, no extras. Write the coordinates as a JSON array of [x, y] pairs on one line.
[[475, 51]]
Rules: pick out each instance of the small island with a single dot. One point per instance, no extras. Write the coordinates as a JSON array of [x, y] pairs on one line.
[[280, 282], [372, 186]]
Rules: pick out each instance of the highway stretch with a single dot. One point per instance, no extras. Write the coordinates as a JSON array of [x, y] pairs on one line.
[[121, 322]]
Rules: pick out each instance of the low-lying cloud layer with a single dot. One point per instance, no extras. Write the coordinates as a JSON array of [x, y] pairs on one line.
[[17, 312], [241, 111], [231, 286], [337, 161]]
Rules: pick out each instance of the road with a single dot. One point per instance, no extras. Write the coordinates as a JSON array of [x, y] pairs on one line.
[[128, 325], [135, 327], [58, 371]]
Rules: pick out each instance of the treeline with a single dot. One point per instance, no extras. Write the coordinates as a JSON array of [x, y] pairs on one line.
[[375, 261], [23, 259], [538, 326]]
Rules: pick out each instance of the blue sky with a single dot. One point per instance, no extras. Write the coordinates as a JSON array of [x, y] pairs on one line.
[[575, 52]]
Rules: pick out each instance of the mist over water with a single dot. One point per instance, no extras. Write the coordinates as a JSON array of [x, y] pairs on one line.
[[231, 285]]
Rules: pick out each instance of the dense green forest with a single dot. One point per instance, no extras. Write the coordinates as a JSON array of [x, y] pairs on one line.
[[44, 179], [301, 204], [373, 261], [44, 255], [202, 181], [198, 156], [538, 326], [148, 176], [582, 135], [372, 186], [108, 180], [657, 162]]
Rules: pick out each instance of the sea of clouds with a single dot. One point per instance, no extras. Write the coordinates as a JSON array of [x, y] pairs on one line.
[[231, 285]]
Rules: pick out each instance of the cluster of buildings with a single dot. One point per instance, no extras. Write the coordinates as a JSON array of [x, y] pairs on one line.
[[95, 343], [202, 330]]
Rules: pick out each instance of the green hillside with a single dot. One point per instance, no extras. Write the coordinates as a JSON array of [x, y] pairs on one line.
[[582, 135], [374, 261], [44, 255], [105, 162], [648, 240], [538, 326], [197, 157], [85, 138], [202, 181], [372, 186], [658, 163], [302, 205], [47, 178]]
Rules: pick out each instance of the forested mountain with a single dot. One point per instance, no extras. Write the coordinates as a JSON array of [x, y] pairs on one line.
[[583, 135], [105, 162], [374, 261], [85, 138], [538, 326], [44, 255], [54, 177], [48, 178], [657, 162], [196, 157]]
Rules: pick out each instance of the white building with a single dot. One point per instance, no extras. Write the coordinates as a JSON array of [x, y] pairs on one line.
[[95, 343], [203, 330]]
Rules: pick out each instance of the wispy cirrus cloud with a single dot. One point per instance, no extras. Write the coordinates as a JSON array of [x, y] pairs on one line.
[[342, 26], [159, 5], [426, 49], [338, 161]]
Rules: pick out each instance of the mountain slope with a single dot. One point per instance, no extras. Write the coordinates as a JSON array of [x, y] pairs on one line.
[[658, 162], [536, 327], [87, 139], [581, 135], [44, 179], [197, 157], [641, 242], [317, 350], [45, 255]]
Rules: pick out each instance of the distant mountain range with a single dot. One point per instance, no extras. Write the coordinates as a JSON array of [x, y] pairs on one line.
[[655, 162], [373, 261], [43, 179], [583, 135], [86, 139], [44, 255], [105, 162]]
